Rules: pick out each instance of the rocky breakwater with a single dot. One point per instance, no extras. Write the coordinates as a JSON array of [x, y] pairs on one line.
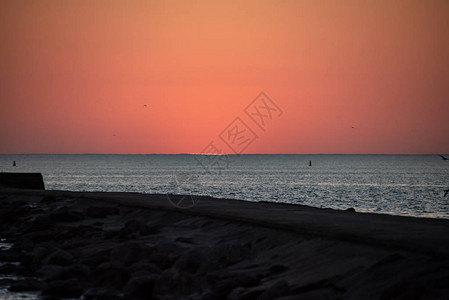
[[71, 248], [68, 245]]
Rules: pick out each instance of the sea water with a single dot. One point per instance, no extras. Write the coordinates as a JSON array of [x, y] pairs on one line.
[[412, 185]]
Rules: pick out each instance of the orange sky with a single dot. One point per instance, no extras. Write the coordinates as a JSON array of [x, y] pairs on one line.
[[75, 75]]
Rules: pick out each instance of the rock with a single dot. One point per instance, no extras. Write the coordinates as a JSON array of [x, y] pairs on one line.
[[164, 255], [65, 215], [38, 223], [141, 287], [110, 234], [101, 212], [10, 217], [279, 289], [71, 272], [402, 290], [102, 294], [40, 253], [236, 294], [9, 256], [95, 259], [59, 257], [226, 285], [63, 289], [50, 298], [190, 262], [23, 243], [162, 261], [48, 199], [185, 240], [389, 259], [229, 254], [351, 209], [169, 249], [83, 231], [44, 236], [26, 285], [144, 266], [110, 275], [8, 269], [27, 260], [244, 294], [135, 227], [277, 269], [50, 272], [75, 271], [174, 285], [129, 253], [17, 203]]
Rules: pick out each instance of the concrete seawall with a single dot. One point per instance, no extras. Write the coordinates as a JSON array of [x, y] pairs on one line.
[[22, 181]]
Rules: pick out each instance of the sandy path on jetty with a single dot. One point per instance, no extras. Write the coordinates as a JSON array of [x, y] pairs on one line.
[[228, 249], [415, 234]]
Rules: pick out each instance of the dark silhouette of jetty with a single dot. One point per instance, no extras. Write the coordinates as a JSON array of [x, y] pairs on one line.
[[22, 181]]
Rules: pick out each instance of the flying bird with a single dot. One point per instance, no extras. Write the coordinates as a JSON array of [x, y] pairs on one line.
[[145, 105], [444, 158]]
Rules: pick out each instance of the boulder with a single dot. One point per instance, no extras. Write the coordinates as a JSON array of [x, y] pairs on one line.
[[129, 253], [63, 289], [68, 272], [59, 257], [224, 286], [64, 215], [277, 269], [38, 223], [110, 275], [190, 262], [39, 254], [141, 287], [279, 289], [229, 254], [144, 266], [50, 272], [102, 294], [136, 227], [101, 212], [23, 243], [178, 285], [95, 259], [26, 285]]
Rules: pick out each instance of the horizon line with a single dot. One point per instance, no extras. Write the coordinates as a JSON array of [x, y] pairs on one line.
[[93, 153]]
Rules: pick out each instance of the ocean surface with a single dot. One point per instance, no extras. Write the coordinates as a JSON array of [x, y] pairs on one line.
[[411, 185]]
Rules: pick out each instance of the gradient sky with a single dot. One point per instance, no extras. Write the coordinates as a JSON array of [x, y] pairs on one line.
[[75, 76]]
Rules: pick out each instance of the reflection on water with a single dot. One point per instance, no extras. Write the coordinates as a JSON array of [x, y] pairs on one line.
[[397, 184]]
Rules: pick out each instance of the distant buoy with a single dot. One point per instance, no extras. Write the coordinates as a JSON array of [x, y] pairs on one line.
[[14, 164], [310, 163]]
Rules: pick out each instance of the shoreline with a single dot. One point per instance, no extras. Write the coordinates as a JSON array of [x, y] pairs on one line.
[[278, 250]]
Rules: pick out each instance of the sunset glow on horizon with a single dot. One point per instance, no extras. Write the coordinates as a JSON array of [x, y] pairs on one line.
[[170, 76]]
